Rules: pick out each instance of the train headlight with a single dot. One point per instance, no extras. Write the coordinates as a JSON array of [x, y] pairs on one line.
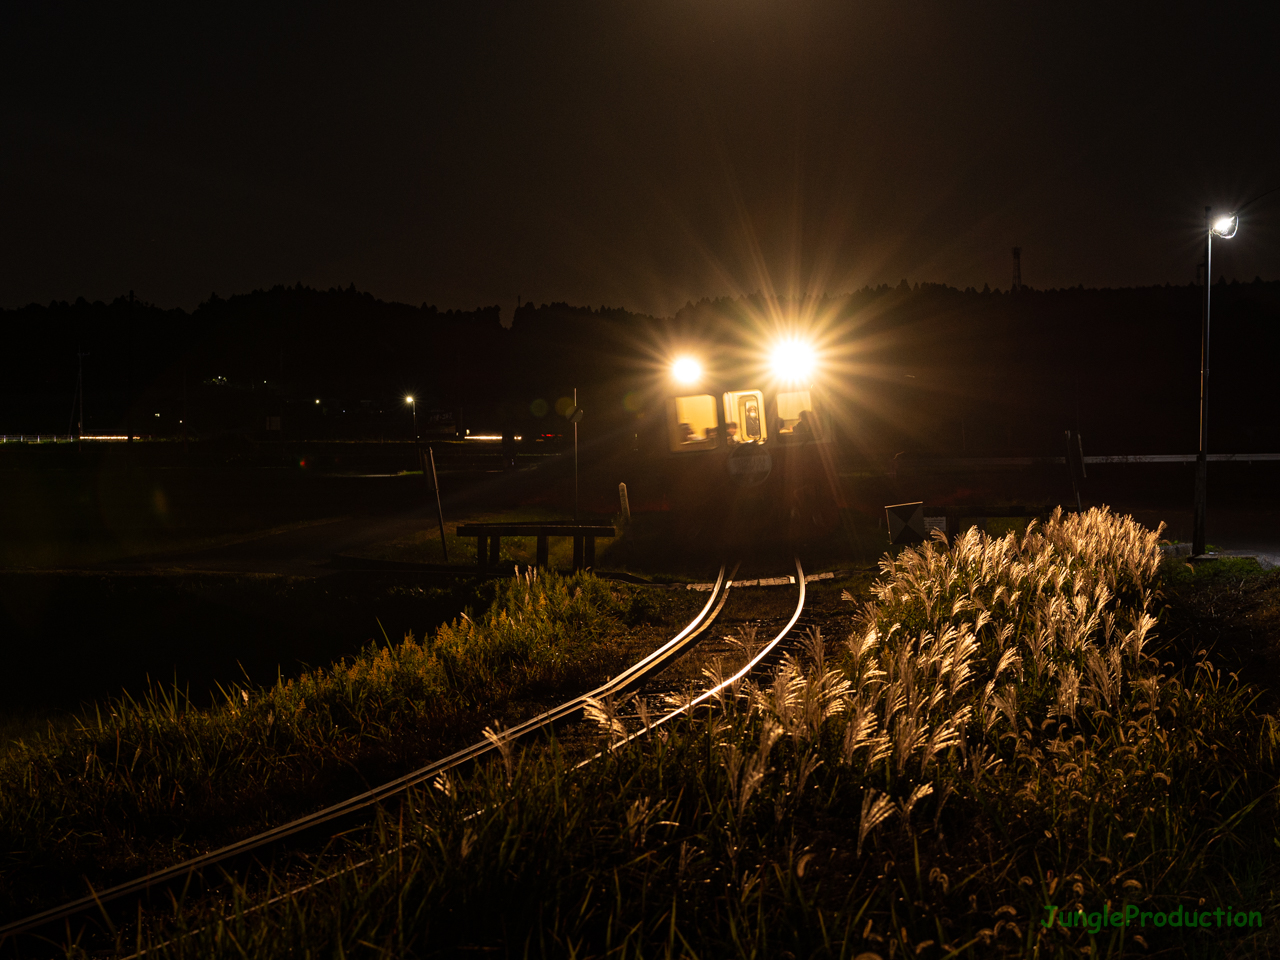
[[686, 370], [793, 361]]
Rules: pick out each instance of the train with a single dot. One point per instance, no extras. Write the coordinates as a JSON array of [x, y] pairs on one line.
[[748, 446]]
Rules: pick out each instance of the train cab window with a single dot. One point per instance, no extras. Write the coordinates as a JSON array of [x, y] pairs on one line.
[[744, 420], [692, 423], [796, 420]]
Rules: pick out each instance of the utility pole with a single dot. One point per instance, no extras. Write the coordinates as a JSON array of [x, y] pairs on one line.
[[1017, 268], [575, 456], [1202, 459], [435, 483], [80, 355], [184, 409]]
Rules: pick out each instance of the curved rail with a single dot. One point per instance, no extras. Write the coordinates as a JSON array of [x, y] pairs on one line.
[[651, 663], [703, 697], [630, 676]]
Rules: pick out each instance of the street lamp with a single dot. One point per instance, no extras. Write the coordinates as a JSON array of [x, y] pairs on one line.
[[413, 403], [1225, 228]]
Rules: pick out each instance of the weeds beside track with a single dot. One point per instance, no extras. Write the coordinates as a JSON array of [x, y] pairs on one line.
[[998, 732], [1000, 729], [148, 782]]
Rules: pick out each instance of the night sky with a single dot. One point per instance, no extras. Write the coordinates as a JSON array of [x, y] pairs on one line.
[[637, 153]]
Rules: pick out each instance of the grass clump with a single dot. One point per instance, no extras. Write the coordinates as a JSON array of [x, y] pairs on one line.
[[996, 734], [143, 782], [1227, 609]]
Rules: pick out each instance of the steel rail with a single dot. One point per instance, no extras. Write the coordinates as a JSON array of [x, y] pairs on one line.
[[751, 665], [754, 662], [715, 691], [651, 663]]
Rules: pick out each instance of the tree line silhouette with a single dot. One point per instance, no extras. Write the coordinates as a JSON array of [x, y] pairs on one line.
[[925, 369]]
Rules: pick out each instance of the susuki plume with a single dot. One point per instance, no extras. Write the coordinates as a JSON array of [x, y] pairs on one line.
[[963, 651]]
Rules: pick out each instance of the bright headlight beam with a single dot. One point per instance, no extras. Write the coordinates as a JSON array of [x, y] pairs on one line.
[[793, 361], [686, 370]]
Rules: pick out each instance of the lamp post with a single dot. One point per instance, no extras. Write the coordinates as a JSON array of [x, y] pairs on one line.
[[576, 418], [417, 445], [414, 405], [1224, 227]]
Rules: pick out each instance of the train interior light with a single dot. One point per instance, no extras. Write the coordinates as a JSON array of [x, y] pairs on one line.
[[686, 370], [744, 417], [795, 415], [693, 424]]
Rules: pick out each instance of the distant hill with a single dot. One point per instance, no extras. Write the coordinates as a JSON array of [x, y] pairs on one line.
[[925, 368]]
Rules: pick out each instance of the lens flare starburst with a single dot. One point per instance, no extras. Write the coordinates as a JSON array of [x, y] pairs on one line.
[[686, 370], [793, 360]]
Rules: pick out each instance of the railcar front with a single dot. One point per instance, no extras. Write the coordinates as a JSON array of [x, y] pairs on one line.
[[750, 460]]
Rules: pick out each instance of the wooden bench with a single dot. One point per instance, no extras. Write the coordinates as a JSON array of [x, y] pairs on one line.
[[489, 539]]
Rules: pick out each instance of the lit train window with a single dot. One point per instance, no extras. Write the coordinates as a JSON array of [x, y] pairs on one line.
[[744, 416], [795, 416], [692, 423]]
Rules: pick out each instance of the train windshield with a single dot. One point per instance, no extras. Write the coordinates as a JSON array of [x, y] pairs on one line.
[[692, 423], [795, 416], [744, 420]]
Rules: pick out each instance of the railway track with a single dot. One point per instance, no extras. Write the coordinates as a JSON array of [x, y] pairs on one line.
[[762, 657], [629, 680]]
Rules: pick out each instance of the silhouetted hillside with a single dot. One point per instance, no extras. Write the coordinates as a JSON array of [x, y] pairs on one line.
[[927, 369]]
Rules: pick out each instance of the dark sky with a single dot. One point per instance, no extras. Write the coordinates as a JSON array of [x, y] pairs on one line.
[[636, 153]]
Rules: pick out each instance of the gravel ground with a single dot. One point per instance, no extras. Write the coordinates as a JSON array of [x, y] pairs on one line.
[[752, 617]]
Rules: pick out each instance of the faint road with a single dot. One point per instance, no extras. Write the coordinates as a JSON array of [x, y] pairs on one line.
[[300, 552]]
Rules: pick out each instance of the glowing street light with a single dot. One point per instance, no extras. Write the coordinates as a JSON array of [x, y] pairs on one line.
[[414, 404], [1225, 228], [686, 370], [793, 360]]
